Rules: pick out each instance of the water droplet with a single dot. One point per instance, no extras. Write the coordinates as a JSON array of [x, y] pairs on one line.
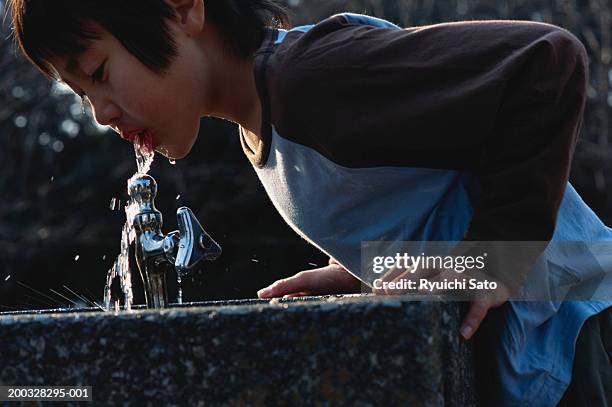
[[172, 161], [104, 257], [313, 264], [178, 197], [52, 178], [7, 277], [113, 204], [76, 258], [255, 260]]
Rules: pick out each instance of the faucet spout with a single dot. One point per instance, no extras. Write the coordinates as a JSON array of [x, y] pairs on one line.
[[156, 293], [156, 253], [153, 265]]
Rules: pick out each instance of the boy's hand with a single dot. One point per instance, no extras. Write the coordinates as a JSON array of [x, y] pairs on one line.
[[478, 308], [334, 279], [477, 313], [331, 279]]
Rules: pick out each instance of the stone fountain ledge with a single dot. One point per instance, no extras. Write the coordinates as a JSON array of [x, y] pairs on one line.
[[334, 350]]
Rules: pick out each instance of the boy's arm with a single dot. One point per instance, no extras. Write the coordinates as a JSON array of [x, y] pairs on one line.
[[501, 99]]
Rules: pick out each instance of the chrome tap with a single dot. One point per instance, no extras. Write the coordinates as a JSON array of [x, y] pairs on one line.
[[156, 253]]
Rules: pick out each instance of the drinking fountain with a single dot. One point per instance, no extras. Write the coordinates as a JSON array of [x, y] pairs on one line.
[[156, 253], [355, 349]]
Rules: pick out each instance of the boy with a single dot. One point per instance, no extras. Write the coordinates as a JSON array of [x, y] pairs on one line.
[[360, 131]]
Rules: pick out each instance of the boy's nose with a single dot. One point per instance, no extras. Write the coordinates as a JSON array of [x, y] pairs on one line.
[[105, 112]]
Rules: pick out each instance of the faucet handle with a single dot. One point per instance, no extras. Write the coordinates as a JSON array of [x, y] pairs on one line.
[[194, 244]]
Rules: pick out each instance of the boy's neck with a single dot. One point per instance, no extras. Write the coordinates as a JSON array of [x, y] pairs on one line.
[[242, 104], [234, 90]]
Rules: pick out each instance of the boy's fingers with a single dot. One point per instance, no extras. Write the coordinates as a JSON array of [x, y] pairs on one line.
[[397, 291], [330, 279], [479, 309], [476, 314], [290, 285], [392, 274]]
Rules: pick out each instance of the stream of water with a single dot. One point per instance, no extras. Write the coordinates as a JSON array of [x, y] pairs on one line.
[[121, 267]]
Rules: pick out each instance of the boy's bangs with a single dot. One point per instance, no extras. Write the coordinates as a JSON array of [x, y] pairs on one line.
[[47, 31]]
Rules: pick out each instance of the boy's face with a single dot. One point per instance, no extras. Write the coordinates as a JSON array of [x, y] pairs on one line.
[[129, 97]]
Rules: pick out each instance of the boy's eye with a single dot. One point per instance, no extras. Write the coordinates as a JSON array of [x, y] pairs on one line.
[[98, 74]]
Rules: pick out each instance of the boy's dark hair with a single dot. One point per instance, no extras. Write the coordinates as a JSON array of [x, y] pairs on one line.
[[45, 29]]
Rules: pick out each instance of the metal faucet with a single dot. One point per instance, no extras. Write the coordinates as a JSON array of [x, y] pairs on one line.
[[156, 253]]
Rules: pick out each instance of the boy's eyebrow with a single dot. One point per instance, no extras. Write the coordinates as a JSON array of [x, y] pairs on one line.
[[73, 64], [71, 67]]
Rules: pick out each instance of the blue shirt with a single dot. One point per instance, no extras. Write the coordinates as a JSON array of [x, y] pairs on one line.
[[336, 201]]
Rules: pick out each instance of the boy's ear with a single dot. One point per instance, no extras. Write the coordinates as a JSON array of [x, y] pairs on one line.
[[190, 14]]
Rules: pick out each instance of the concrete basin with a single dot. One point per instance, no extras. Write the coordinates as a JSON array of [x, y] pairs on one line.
[[335, 350]]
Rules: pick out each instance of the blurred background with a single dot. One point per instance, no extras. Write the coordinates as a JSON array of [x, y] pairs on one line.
[[59, 171]]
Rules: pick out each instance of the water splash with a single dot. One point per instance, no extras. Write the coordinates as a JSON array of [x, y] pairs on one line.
[[121, 267], [114, 204]]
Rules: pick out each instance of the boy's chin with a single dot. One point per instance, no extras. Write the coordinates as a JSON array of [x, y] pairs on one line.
[[172, 153]]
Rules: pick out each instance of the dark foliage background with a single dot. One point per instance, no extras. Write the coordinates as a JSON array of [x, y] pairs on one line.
[[59, 171]]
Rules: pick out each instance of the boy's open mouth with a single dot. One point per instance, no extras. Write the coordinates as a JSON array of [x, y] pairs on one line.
[[142, 138]]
